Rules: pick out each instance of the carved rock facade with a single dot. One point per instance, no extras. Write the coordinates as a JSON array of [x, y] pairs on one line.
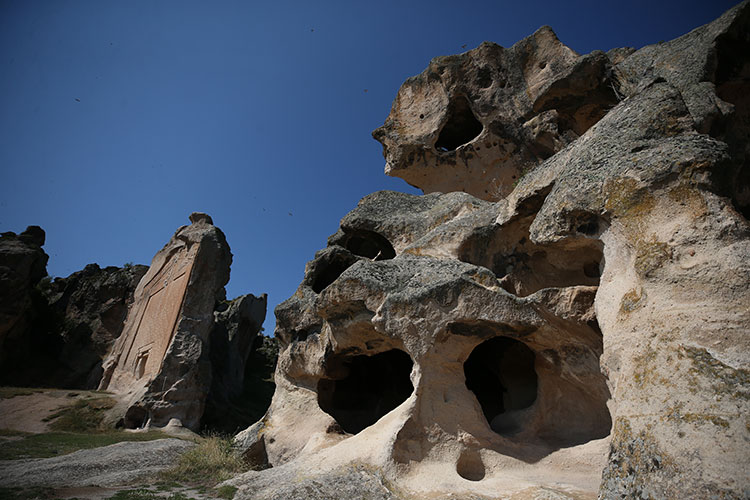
[[160, 365], [576, 324]]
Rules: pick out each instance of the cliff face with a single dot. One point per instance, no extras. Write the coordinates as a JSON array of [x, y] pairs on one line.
[[565, 313], [177, 351]]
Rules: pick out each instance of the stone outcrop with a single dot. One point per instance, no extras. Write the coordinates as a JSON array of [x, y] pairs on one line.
[[160, 366], [23, 264], [574, 322], [92, 304], [235, 342]]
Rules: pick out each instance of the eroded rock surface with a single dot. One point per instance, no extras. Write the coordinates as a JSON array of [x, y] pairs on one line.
[[580, 329], [92, 305], [160, 365]]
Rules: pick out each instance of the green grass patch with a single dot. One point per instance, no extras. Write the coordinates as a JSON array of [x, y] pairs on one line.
[[12, 392], [227, 492], [52, 444], [207, 464], [85, 415], [136, 494]]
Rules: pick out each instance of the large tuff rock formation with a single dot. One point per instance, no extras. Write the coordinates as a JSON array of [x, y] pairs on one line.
[[160, 364], [23, 263], [184, 348], [580, 327]]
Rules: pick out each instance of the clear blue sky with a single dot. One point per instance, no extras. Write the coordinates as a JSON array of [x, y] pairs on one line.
[[119, 119]]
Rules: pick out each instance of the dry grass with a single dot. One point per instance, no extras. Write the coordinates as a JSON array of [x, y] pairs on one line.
[[208, 464]]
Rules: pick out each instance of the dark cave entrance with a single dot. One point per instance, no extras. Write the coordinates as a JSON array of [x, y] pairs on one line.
[[359, 390], [369, 244], [460, 128], [500, 372]]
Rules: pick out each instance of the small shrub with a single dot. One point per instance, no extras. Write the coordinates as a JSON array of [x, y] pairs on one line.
[[227, 492], [207, 464]]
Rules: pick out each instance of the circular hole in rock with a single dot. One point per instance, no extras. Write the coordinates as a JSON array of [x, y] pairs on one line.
[[359, 390], [470, 466], [500, 372]]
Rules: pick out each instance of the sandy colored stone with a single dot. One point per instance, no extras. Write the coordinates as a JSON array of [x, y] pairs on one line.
[[160, 365], [579, 331]]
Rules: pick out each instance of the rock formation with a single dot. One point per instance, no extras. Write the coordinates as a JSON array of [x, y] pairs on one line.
[[235, 343], [569, 317], [23, 263], [93, 304], [161, 366]]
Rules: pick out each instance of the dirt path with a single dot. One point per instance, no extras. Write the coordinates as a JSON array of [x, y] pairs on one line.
[[26, 413]]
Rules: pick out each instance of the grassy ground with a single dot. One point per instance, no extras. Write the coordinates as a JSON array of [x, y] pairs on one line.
[[52, 444], [79, 424], [208, 464]]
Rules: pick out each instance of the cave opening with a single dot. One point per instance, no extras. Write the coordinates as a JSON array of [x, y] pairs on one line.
[[461, 126], [369, 244], [500, 372], [359, 390]]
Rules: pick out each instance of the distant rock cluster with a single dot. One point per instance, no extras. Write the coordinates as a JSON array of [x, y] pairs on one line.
[[163, 338]]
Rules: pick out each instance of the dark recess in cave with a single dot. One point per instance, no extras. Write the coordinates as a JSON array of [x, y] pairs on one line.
[[329, 271], [361, 389], [500, 372], [369, 244], [460, 128]]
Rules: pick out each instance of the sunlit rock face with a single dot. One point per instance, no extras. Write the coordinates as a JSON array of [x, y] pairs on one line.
[[580, 330], [160, 365]]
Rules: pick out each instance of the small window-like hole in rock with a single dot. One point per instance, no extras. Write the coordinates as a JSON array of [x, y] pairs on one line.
[[135, 418], [460, 128], [370, 244], [591, 269], [359, 390], [470, 465], [327, 270], [500, 372]]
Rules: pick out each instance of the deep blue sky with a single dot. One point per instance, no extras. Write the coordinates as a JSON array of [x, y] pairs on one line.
[[119, 119]]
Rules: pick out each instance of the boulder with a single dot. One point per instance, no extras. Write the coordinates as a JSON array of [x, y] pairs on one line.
[[569, 318], [160, 366]]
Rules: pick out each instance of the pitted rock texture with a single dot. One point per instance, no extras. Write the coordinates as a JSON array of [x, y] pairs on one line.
[[581, 329], [475, 122], [160, 366]]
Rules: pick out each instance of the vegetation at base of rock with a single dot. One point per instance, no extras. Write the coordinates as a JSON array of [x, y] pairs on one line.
[[207, 464], [226, 491], [85, 415], [53, 444]]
